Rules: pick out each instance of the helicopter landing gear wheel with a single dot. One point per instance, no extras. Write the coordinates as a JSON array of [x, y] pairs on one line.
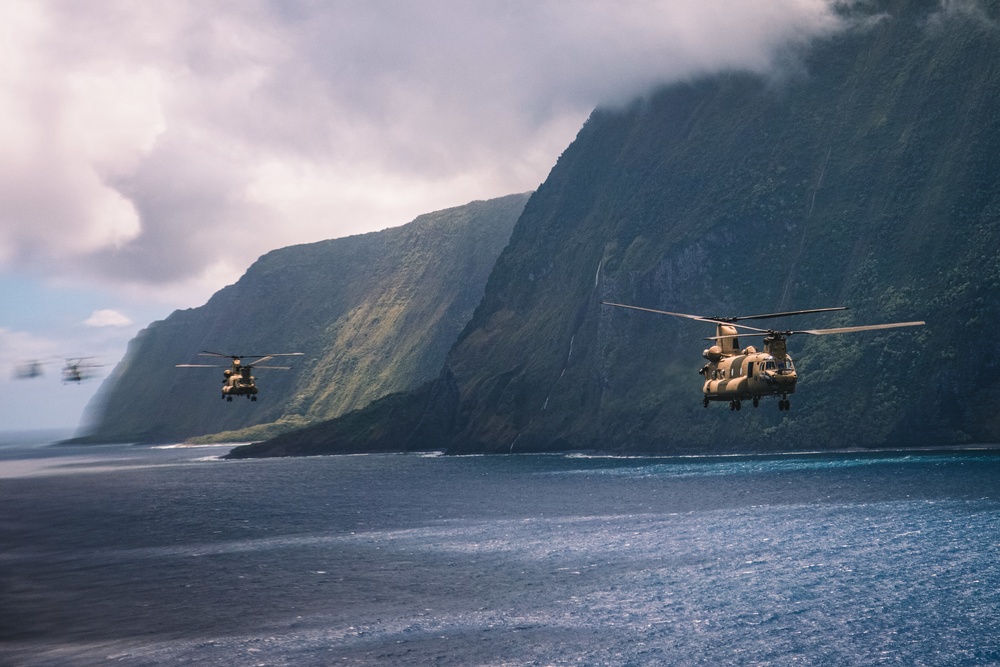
[[705, 402], [756, 401], [784, 404], [735, 405], [253, 399], [229, 398]]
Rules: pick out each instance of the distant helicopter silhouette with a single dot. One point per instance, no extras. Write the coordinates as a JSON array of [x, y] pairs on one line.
[[74, 370], [77, 369], [29, 369], [237, 380]]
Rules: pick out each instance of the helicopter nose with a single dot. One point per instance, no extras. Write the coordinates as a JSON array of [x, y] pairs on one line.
[[784, 378]]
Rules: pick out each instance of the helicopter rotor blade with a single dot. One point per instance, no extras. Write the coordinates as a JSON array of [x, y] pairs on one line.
[[274, 368], [786, 314], [198, 366], [258, 357], [699, 318], [739, 335], [755, 330], [823, 332], [731, 321], [867, 327]]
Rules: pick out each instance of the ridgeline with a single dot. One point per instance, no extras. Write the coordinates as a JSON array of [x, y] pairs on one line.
[[374, 314]]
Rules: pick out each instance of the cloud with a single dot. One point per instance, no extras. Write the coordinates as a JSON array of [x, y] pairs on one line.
[[980, 13], [167, 145], [107, 318]]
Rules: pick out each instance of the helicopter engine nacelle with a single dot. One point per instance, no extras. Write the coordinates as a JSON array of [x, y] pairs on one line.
[[713, 354]]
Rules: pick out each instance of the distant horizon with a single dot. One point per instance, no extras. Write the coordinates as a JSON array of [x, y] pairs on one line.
[[35, 436]]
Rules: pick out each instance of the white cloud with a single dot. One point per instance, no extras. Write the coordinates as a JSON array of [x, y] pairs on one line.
[[170, 144], [16, 347], [107, 318], [69, 126]]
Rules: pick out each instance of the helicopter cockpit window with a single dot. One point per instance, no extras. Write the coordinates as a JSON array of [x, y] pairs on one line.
[[769, 365], [785, 364]]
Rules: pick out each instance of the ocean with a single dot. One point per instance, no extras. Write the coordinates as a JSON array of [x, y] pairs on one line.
[[169, 556]]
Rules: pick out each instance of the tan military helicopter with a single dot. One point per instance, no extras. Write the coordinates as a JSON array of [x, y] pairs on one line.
[[237, 380], [736, 375]]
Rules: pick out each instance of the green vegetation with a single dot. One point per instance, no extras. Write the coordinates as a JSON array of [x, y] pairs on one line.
[[374, 314]]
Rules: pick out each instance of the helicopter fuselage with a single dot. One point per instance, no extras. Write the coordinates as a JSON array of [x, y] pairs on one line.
[[736, 375], [238, 381]]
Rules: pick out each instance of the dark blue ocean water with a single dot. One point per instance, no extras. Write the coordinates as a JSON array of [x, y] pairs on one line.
[[142, 556]]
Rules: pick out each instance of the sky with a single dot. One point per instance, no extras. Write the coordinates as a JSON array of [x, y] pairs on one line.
[[150, 152]]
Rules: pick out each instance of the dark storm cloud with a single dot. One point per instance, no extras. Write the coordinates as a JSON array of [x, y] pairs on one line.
[[170, 144]]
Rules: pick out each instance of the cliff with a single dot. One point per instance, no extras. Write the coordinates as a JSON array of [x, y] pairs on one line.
[[374, 314], [866, 177]]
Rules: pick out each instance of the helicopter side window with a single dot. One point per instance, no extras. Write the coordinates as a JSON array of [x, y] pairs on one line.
[[769, 365]]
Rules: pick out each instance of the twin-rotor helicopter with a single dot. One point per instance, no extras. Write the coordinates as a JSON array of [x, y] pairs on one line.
[[237, 379], [79, 369], [75, 370], [736, 375]]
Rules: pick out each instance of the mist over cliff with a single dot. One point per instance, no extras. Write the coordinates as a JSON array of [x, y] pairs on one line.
[[866, 177], [373, 314]]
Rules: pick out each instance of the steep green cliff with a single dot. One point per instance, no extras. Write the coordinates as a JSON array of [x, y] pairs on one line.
[[866, 178], [374, 314]]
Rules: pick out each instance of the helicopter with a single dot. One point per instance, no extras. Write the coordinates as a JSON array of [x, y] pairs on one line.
[[736, 375], [237, 380], [78, 369], [29, 369]]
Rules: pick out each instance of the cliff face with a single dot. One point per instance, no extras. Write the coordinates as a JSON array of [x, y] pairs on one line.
[[374, 314], [867, 178]]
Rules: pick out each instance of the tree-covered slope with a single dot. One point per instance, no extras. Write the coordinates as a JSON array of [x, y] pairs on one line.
[[868, 177], [374, 314], [869, 180]]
